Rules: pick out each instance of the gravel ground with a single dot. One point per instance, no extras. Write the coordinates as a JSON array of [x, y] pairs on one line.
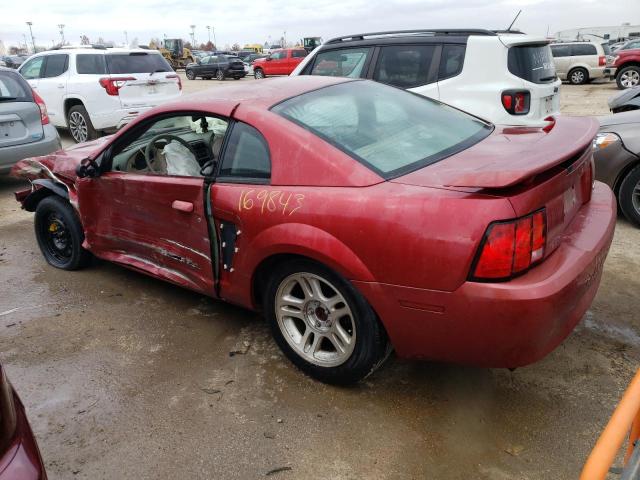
[[124, 376]]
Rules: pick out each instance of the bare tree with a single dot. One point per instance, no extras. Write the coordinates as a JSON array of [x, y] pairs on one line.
[[235, 47], [84, 40]]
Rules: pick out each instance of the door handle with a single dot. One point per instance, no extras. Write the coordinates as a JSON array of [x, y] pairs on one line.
[[60, 85], [182, 206]]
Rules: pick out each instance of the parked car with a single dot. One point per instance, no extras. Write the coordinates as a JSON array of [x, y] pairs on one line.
[[506, 78], [581, 62], [92, 90], [627, 65], [617, 159], [218, 66], [12, 61], [278, 62], [629, 45], [19, 454], [253, 56], [282, 198], [25, 129], [2, 63], [625, 101]]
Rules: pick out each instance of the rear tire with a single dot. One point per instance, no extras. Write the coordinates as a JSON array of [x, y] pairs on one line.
[[628, 77], [629, 196], [80, 125], [578, 76], [190, 74], [328, 330], [220, 75], [258, 73], [59, 234]]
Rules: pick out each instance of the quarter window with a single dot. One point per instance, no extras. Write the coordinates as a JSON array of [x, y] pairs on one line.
[[451, 61], [348, 62], [405, 66], [55, 65], [246, 154], [278, 55], [577, 50], [32, 68]]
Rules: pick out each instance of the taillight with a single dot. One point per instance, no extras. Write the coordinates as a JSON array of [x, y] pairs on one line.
[[516, 102], [510, 248], [602, 61], [113, 85], [44, 116], [178, 78]]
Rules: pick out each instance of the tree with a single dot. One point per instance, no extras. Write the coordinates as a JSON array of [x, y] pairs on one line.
[[101, 41], [209, 46], [13, 50], [84, 40], [235, 47]]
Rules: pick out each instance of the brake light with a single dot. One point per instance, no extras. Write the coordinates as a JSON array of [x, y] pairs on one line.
[[113, 85], [516, 102], [44, 116], [178, 78], [602, 61], [510, 248]]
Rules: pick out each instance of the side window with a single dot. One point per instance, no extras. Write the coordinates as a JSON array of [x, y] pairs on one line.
[[55, 65], [451, 61], [246, 154], [298, 53], [279, 55], [405, 66], [583, 50], [32, 68], [560, 50], [90, 64], [347, 62]]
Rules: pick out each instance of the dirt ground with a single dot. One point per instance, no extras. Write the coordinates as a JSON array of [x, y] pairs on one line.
[[124, 376]]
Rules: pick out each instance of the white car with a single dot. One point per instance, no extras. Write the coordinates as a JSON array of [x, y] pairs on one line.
[[95, 89], [507, 78]]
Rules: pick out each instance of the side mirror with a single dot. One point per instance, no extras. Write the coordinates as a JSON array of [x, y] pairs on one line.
[[87, 168]]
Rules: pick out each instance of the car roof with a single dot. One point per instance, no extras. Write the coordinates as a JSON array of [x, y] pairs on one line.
[[94, 50]]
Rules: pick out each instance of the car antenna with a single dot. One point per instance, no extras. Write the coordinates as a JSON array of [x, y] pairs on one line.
[[514, 20]]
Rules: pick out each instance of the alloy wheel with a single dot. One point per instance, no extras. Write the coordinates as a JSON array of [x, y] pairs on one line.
[[630, 78], [315, 319], [258, 74], [78, 127], [220, 75], [577, 77], [190, 75]]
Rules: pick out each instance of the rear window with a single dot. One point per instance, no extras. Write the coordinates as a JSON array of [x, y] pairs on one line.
[[14, 88], [390, 131], [90, 64], [533, 63], [136, 63], [585, 49], [606, 48]]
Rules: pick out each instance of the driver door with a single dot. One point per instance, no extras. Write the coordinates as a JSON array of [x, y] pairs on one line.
[[154, 222]]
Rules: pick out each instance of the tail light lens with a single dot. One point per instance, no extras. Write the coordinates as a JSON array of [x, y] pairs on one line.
[[44, 116], [516, 102], [510, 248], [178, 78], [113, 85], [602, 61]]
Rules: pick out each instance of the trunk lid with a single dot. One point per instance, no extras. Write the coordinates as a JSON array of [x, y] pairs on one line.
[[20, 120]]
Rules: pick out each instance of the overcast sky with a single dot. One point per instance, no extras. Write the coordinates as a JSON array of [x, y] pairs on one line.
[[256, 21]]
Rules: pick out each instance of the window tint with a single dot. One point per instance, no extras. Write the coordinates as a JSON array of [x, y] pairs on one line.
[[606, 49], [32, 68], [585, 49], [451, 61], [90, 64], [388, 130], [404, 66], [533, 63], [12, 86], [246, 155], [279, 55], [347, 62], [298, 53], [560, 50], [55, 65], [136, 63]]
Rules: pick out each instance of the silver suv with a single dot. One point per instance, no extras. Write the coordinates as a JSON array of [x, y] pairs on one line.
[[581, 62], [25, 129]]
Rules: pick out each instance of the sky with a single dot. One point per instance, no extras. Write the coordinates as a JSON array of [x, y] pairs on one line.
[[257, 21]]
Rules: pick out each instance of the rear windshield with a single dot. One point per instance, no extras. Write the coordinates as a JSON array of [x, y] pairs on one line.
[[14, 88], [136, 63], [389, 130], [533, 63]]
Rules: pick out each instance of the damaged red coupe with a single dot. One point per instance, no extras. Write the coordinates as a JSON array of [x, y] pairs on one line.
[[356, 216]]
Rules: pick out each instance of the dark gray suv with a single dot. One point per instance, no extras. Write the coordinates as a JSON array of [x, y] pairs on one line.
[[25, 130]]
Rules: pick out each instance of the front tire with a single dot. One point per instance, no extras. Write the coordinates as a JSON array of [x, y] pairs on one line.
[[578, 76], [323, 324], [80, 126], [59, 234], [220, 75], [258, 74], [190, 74], [628, 77], [629, 196]]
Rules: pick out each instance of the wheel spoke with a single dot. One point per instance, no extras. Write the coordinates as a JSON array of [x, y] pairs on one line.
[[316, 288]]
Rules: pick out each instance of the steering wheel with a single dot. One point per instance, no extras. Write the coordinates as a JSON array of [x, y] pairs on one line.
[[151, 151]]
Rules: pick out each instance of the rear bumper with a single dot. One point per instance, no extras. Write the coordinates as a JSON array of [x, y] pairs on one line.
[[22, 460], [9, 156], [509, 324], [610, 72], [597, 72]]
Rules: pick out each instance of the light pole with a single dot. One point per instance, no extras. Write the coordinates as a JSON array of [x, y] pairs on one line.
[[209, 32], [193, 36], [61, 27], [33, 40], [126, 38]]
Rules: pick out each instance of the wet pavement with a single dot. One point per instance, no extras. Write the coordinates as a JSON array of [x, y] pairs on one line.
[[124, 376]]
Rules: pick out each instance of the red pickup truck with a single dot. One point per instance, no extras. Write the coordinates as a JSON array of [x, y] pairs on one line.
[[627, 65], [279, 62]]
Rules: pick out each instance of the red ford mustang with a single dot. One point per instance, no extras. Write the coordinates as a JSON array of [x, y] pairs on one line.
[[357, 216]]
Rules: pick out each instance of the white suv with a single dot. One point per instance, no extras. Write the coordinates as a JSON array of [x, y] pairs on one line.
[[94, 89], [505, 77]]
